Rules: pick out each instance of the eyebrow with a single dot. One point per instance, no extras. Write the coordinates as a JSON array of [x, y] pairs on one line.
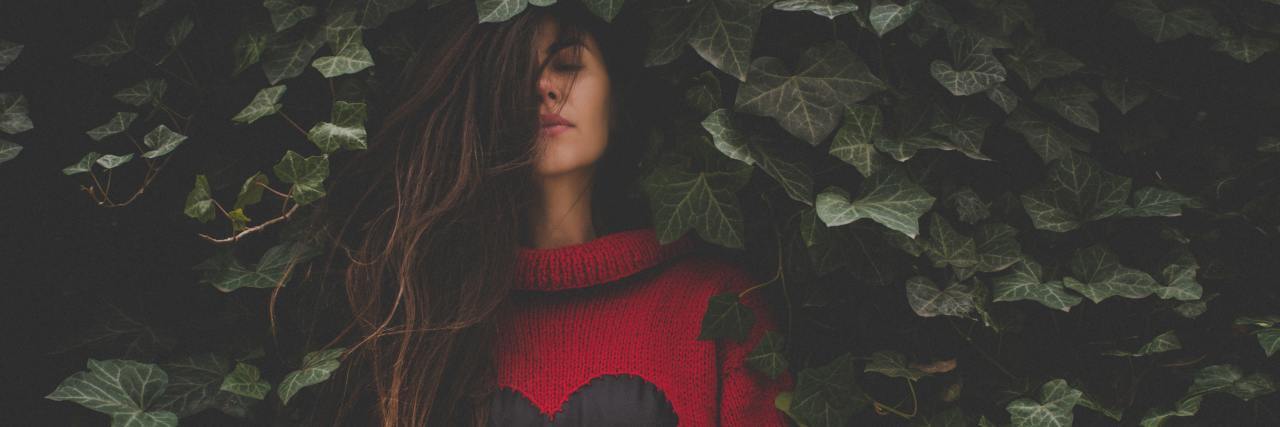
[[560, 44]]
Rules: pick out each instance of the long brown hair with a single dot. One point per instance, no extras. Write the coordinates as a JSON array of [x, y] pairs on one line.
[[429, 217]]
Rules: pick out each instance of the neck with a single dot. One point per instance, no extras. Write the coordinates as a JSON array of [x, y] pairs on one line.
[[562, 215]]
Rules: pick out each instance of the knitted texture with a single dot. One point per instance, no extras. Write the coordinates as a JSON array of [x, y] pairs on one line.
[[573, 319]]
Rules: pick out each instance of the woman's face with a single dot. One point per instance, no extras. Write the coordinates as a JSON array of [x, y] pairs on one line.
[[587, 107]]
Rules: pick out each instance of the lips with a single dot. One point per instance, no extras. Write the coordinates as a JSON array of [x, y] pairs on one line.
[[549, 120]]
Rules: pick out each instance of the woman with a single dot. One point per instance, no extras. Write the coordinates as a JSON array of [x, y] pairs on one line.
[[499, 275]]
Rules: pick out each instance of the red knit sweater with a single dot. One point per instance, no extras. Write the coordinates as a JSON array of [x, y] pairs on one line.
[[573, 320]]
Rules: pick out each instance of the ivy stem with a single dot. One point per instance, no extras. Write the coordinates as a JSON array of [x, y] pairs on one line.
[[915, 405], [295, 124], [984, 354], [250, 230]]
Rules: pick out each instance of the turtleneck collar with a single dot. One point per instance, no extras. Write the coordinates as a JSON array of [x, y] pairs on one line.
[[603, 259]]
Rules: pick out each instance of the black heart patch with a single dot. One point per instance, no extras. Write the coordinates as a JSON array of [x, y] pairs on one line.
[[606, 400]]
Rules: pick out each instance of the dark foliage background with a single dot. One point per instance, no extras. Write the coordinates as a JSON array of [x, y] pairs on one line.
[[908, 299]]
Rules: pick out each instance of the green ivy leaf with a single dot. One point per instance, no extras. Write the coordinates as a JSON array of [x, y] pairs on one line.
[[973, 68], [927, 300], [1167, 341], [726, 317], [894, 365], [248, 46], [1034, 62], [9, 52], [1185, 407], [8, 150], [306, 174], [1180, 282], [946, 246], [374, 12], [964, 129], [148, 91], [287, 13], [194, 382], [346, 131], [1024, 282], [161, 140], [200, 200], [997, 247], [1230, 379], [84, 165], [722, 32], [854, 140], [110, 161], [1152, 201], [885, 15], [889, 198], [265, 103], [809, 102], [13, 113], [287, 54], [124, 389], [1053, 408], [245, 380], [1165, 25], [1071, 100], [1098, 275], [251, 190], [752, 148], [1075, 190], [705, 201], [1045, 138], [227, 274], [118, 42], [1269, 339], [179, 31], [346, 41], [605, 9], [827, 9], [969, 206], [1246, 48], [767, 356], [119, 123], [147, 6], [828, 395], [316, 368]]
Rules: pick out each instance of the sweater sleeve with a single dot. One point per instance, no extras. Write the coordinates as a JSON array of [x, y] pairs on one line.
[[746, 395]]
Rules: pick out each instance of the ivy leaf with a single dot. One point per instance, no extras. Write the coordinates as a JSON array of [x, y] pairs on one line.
[[306, 174], [829, 9], [1165, 25], [1269, 339], [1075, 190], [374, 12], [1098, 275], [885, 15], [148, 6], [84, 165], [1185, 407], [287, 13], [809, 102], [147, 91], [1071, 100], [316, 368], [1045, 138], [854, 141], [13, 113], [502, 10], [893, 365], [969, 206], [248, 47], [346, 131], [1245, 48], [8, 150], [251, 191], [200, 200], [265, 103], [605, 9], [964, 129], [888, 197], [726, 317], [733, 139], [119, 123], [997, 247], [346, 40], [227, 274], [9, 52], [1167, 341], [1053, 408], [161, 140], [110, 161], [179, 31], [1153, 201], [1024, 282], [927, 300], [287, 54], [194, 382], [946, 246], [245, 380], [767, 356], [1180, 282], [1034, 62], [913, 131], [118, 42], [1230, 379], [828, 395], [974, 68], [706, 201], [124, 389], [722, 32]]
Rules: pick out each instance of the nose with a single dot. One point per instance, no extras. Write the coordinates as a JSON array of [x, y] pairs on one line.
[[548, 90]]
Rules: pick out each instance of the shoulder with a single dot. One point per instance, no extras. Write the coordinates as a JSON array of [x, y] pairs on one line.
[[710, 271]]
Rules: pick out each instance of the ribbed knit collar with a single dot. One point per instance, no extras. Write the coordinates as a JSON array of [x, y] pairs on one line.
[[603, 259]]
